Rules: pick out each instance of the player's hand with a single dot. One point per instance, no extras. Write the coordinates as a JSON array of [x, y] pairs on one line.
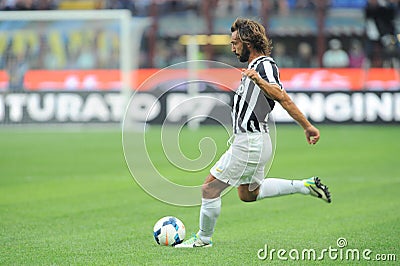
[[312, 134], [251, 73]]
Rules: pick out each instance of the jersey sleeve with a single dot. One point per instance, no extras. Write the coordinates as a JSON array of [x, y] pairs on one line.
[[269, 71]]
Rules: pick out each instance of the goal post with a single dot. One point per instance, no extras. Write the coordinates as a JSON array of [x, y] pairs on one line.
[[129, 34]]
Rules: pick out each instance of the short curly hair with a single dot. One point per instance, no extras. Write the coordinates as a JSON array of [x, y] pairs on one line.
[[252, 32]]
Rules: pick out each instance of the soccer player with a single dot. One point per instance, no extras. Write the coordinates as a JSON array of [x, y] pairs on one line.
[[242, 165]]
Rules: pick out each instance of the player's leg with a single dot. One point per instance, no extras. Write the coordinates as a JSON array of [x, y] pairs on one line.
[[273, 187], [259, 187], [209, 212], [247, 195], [212, 187], [210, 206], [219, 179]]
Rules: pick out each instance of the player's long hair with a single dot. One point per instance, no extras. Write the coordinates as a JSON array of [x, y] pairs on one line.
[[252, 32]]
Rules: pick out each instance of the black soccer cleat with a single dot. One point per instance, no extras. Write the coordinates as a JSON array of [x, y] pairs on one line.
[[317, 189]]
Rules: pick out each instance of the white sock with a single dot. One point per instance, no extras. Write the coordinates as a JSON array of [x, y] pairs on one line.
[[209, 212], [272, 187]]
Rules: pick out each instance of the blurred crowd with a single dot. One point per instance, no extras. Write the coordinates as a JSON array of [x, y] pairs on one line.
[[143, 7], [84, 48]]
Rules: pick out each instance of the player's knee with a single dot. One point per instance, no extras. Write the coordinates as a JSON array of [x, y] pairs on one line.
[[204, 188], [208, 191], [246, 196]]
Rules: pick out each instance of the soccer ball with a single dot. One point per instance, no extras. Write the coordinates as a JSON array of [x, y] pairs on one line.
[[169, 231]]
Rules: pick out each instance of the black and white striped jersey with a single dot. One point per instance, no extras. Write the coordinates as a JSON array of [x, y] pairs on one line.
[[250, 104]]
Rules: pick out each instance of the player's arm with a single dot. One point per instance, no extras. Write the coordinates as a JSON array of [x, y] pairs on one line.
[[275, 92]]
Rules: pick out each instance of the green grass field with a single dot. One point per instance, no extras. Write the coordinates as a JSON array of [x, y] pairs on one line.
[[67, 197]]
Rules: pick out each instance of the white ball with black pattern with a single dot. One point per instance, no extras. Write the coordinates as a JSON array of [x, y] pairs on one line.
[[169, 231]]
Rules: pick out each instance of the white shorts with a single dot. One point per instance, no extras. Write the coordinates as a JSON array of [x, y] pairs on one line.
[[245, 160]]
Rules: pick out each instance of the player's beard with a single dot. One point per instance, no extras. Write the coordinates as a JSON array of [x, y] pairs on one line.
[[244, 57]]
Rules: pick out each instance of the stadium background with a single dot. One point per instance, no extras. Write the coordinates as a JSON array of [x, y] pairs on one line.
[[66, 195]]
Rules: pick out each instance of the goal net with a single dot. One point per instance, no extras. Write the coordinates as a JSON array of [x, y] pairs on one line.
[[67, 66]]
